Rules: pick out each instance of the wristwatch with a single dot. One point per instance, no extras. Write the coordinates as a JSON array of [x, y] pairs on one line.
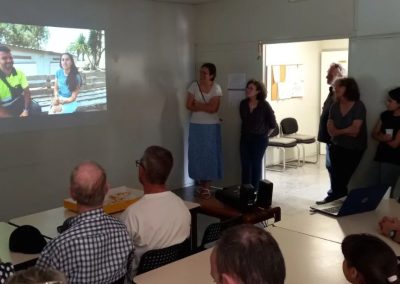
[[392, 234]]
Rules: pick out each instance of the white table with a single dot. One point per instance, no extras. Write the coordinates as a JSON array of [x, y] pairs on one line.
[[336, 228], [5, 254], [308, 260], [47, 221]]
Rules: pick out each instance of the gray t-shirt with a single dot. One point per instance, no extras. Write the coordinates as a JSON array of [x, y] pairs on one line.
[[357, 112]]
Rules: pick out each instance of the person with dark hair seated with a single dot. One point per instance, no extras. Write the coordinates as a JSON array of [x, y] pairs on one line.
[[368, 260], [247, 254], [96, 248]]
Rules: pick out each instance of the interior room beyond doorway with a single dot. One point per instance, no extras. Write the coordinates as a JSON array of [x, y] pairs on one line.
[[302, 89]]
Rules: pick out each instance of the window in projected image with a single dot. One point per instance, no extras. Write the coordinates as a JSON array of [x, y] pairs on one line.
[[51, 70]]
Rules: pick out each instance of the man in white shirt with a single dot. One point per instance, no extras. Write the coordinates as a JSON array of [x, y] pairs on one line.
[[160, 218]]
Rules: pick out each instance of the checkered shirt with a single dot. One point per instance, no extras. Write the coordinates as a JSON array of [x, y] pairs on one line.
[[95, 249]]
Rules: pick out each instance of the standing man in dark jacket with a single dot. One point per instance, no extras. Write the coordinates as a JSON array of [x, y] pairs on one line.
[[334, 72]]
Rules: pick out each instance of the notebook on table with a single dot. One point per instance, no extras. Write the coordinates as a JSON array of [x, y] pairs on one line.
[[359, 200]]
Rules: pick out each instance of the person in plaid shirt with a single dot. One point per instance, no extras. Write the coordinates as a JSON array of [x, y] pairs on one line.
[[96, 248]]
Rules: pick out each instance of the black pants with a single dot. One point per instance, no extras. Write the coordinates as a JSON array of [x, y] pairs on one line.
[[252, 149], [344, 162]]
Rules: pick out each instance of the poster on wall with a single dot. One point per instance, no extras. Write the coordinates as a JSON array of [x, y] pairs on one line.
[[287, 81]]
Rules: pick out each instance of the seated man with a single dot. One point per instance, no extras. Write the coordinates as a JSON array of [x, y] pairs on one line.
[[246, 254], [15, 97], [96, 248], [160, 218]]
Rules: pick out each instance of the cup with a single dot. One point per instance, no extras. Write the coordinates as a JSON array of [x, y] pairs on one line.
[[389, 131]]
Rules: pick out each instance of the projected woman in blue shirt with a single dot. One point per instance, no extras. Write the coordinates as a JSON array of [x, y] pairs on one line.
[[67, 84]]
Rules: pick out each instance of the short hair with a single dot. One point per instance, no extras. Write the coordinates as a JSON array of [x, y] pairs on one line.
[[372, 257], [211, 69], [394, 94], [251, 255], [352, 91], [88, 182], [4, 48], [262, 93], [339, 68], [157, 162], [36, 275]]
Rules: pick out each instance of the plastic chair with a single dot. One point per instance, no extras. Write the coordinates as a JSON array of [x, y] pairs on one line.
[[282, 143], [153, 259], [289, 128], [214, 231]]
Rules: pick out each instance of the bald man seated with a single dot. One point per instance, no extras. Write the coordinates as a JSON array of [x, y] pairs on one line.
[[97, 247]]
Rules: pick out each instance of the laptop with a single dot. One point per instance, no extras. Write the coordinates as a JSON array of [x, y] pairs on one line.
[[357, 201]]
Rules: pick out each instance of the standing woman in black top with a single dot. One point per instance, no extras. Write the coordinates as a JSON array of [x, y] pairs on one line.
[[258, 120]]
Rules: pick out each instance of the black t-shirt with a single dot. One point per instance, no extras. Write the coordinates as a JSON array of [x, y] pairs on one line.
[[385, 153], [259, 121]]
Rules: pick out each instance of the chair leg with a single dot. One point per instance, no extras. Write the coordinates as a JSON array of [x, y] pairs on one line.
[[316, 155]]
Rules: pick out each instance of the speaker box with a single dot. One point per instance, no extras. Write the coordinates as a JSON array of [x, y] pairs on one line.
[[264, 196]]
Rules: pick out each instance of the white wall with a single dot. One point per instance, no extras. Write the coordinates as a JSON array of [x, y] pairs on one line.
[[150, 61], [235, 23]]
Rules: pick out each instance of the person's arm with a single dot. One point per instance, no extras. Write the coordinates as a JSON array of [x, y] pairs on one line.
[[55, 90], [377, 133], [211, 107], [353, 130], [190, 101], [72, 98], [270, 117], [395, 143], [390, 227], [27, 102]]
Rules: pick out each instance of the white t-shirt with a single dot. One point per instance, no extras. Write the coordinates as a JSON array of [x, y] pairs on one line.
[[200, 116], [157, 220]]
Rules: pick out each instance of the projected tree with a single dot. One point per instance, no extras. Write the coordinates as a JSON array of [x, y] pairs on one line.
[[92, 48], [23, 35]]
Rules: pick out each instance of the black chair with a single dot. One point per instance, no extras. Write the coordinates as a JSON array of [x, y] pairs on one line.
[[158, 257], [214, 231], [289, 128], [282, 143]]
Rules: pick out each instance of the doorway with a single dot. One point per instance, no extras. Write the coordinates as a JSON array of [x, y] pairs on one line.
[[311, 59]]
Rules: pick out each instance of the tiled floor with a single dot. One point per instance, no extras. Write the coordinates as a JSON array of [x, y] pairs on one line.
[[297, 188]]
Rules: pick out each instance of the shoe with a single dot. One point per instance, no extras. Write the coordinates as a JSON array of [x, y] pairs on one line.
[[324, 201]]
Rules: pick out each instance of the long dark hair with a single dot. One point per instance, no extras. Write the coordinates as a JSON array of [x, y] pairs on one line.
[[262, 93], [372, 257], [72, 80]]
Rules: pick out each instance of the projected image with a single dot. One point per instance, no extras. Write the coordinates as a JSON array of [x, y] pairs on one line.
[[51, 70]]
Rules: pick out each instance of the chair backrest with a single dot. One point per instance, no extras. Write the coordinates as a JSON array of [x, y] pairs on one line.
[[214, 231], [153, 259], [289, 126]]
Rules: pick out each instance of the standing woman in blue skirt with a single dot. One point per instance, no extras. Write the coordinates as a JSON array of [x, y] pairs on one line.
[[205, 151], [258, 121]]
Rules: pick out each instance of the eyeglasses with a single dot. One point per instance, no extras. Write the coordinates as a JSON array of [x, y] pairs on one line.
[[139, 163]]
